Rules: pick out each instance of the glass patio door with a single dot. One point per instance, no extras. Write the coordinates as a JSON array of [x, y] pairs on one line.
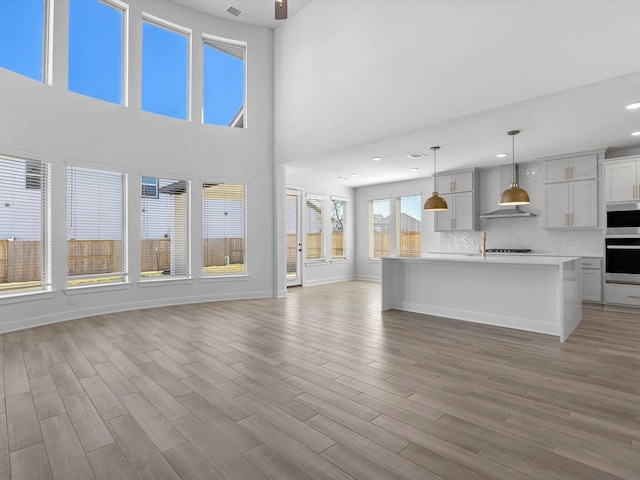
[[293, 237]]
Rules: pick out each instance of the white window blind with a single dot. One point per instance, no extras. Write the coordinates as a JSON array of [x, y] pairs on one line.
[[164, 228], [409, 211], [379, 228], [338, 229], [314, 213], [95, 226], [224, 230], [24, 221]]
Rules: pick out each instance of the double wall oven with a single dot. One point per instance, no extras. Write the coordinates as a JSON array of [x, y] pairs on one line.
[[622, 244]]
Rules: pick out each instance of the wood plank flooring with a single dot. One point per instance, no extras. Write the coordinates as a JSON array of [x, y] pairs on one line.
[[320, 385]]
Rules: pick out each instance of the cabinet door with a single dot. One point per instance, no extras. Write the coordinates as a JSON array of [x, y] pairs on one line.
[[556, 171], [463, 182], [591, 285], [584, 167], [443, 221], [444, 184], [583, 204], [462, 211], [620, 182], [556, 205]]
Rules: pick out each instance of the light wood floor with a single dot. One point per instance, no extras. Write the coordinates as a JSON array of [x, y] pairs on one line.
[[319, 385]]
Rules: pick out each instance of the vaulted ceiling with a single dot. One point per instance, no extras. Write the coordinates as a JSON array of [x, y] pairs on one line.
[[356, 79]]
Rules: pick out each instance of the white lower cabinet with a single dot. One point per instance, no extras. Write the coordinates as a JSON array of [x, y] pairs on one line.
[[622, 294], [591, 279]]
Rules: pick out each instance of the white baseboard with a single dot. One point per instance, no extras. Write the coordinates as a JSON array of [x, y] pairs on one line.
[[323, 281]]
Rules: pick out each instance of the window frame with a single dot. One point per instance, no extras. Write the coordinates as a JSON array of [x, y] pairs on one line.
[[45, 289], [245, 269], [345, 229], [124, 81], [181, 30], [207, 40], [399, 223], [371, 225], [124, 274], [188, 229], [323, 233]]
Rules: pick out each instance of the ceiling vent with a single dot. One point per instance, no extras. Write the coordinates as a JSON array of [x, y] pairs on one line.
[[234, 11], [414, 156]]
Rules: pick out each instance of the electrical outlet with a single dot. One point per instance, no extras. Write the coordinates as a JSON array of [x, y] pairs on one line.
[[573, 249]]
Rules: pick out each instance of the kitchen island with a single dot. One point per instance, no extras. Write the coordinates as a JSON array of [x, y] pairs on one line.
[[528, 292]]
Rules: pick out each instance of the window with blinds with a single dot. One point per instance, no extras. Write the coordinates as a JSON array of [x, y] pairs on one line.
[[338, 229], [224, 228], [409, 214], [379, 228], [164, 228], [314, 226], [24, 221], [96, 218]]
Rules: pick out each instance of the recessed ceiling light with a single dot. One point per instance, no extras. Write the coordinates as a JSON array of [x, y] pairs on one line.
[[633, 106], [376, 159], [501, 155], [355, 174], [636, 134], [415, 169]]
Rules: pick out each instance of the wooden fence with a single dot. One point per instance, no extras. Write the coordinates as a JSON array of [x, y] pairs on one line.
[[20, 261], [410, 244]]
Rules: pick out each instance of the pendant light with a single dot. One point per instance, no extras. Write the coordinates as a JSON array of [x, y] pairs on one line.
[[435, 203], [514, 195]]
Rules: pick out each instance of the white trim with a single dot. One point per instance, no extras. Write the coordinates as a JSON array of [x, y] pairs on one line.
[[324, 281], [86, 289], [20, 297], [122, 307], [96, 166], [47, 43], [224, 277], [164, 281], [315, 263]]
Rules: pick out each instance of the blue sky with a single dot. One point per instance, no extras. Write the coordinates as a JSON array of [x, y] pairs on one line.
[[95, 59]]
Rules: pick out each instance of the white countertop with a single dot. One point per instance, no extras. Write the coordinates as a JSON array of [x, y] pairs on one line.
[[499, 258]]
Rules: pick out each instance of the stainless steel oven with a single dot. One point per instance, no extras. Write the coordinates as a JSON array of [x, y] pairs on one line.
[[622, 260], [623, 219]]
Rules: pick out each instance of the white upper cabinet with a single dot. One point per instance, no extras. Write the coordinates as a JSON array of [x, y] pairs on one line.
[[461, 191], [581, 167], [455, 182], [621, 182], [571, 190]]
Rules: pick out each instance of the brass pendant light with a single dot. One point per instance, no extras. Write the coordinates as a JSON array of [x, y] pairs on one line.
[[514, 195], [435, 203]]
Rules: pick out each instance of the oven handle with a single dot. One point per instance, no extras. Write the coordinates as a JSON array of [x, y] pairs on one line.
[[623, 247]]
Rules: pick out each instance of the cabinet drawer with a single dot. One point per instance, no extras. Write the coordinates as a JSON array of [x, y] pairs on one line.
[[622, 294], [587, 262]]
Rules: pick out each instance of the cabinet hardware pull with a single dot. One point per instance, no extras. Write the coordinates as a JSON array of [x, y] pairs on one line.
[[566, 219], [633, 296]]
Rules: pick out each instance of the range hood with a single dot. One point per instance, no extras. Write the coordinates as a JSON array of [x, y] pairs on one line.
[[506, 178]]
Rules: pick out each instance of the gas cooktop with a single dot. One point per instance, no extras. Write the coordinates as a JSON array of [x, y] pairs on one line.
[[508, 250]]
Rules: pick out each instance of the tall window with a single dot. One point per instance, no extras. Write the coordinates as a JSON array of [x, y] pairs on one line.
[[223, 102], [165, 69], [22, 36], [24, 221], [314, 213], [164, 229], [379, 228], [409, 214], [95, 226], [224, 230], [96, 48], [338, 229]]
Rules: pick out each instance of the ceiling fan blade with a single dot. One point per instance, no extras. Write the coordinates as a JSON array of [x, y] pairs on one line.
[[281, 9]]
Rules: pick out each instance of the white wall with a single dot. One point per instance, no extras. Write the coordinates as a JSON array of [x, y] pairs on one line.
[[315, 273], [367, 269], [61, 126]]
